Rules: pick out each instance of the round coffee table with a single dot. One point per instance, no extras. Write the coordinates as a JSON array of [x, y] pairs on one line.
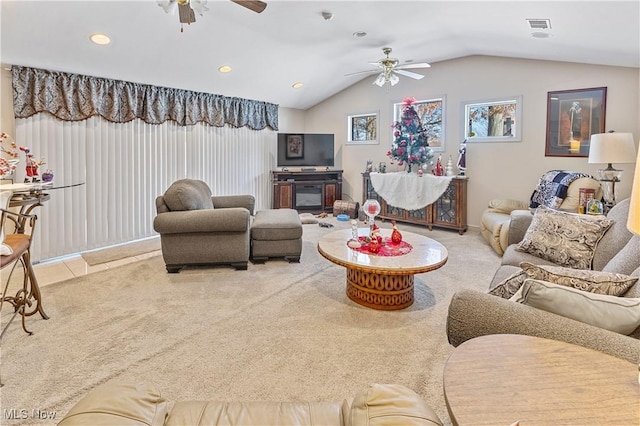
[[503, 378], [383, 282]]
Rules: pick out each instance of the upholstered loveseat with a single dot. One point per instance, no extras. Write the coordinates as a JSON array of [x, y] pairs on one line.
[[138, 404], [474, 313], [497, 218], [197, 228]]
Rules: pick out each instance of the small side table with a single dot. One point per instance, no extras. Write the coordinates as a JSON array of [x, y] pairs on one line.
[[503, 378]]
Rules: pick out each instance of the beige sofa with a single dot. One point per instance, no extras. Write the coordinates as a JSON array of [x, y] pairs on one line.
[[473, 313], [197, 228], [496, 219], [138, 404]]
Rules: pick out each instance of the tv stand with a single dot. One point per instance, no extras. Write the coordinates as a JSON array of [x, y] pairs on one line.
[[307, 191]]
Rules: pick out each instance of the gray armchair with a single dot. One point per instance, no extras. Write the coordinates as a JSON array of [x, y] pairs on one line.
[[197, 228]]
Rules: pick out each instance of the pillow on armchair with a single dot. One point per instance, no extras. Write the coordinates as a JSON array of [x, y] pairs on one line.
[[617, 314], [188, 194]]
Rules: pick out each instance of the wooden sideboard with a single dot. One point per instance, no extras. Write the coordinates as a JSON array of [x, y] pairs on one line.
[[449, 211], [306, 191]]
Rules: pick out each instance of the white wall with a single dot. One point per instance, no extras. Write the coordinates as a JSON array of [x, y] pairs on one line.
[[495, 170]]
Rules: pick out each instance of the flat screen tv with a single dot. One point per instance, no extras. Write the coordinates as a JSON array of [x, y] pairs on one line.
[[305, 150]]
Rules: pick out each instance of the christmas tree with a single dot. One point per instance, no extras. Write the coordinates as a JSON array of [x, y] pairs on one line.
[[410, 145]]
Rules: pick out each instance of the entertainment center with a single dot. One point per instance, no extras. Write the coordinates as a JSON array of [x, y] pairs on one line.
[[308, 191]]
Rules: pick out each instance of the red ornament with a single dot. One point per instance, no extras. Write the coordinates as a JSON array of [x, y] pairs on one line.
[[374, 246], [396, 236]]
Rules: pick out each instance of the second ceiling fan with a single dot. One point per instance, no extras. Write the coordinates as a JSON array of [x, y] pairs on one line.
[[187, 8], [389, 69]]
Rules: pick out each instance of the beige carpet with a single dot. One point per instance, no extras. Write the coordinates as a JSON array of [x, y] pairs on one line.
[[123, 251], [277, 331]]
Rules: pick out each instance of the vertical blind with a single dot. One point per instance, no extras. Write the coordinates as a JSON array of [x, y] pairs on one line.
[[107, 175]]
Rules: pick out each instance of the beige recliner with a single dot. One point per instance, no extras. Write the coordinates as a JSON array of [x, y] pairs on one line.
[[495, 220], [197, 228], [137, 404]]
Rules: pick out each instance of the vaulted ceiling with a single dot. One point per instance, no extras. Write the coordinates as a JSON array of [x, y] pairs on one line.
[[292, 42]]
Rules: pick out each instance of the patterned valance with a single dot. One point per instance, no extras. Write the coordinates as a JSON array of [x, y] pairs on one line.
[[74, 97]]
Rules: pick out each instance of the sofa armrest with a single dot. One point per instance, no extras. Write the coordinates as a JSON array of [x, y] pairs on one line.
[[507, 206], [227, 201], [473, 314], [232, 219], [518, 225]]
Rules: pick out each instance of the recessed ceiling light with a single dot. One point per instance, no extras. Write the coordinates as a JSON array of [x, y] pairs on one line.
[[359, 34], [297, 85], [101, 39], [225, 68]]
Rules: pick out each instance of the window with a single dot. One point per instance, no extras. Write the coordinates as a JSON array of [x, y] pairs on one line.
[[362, 129]]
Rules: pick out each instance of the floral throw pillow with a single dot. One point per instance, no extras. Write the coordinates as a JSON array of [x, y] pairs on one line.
[[566, 239], [510, 285]]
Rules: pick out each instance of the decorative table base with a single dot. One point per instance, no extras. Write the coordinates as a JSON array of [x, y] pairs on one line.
[[376, 291]]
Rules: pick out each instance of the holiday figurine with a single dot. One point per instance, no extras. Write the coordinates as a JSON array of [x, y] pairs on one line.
[[438, 170], [448, 171], [396, 236], [462, 159], [32, 165]]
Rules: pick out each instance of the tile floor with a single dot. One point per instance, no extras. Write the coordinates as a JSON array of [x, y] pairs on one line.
[[50, 272]]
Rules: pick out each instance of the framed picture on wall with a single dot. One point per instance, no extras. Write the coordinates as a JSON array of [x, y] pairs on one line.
[[572, 117], [295, 146]]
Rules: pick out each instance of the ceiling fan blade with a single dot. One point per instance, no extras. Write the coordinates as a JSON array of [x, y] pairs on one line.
[[361, 72], [417, 65], [409, 74], [413, 66], [187, 16], [255, 5]]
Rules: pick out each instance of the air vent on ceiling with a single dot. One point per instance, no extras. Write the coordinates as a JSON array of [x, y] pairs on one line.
[[539, 24]]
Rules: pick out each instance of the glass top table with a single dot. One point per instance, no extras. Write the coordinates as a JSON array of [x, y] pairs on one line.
[[383, 282]]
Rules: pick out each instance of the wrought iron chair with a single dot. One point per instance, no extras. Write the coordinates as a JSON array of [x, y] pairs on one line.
[[27, 299]]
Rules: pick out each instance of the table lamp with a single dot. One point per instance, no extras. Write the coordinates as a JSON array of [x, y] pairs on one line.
[[633, 222], [608, 148]]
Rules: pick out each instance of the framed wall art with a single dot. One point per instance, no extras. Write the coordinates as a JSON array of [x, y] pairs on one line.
[[431, 112], [295, 146], [362, 129], [496, 120], [572, 117]]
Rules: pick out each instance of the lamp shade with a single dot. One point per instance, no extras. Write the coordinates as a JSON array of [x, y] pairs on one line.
[[633, 223], [615, 147]]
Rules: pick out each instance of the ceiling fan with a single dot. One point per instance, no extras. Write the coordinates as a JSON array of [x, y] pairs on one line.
[[389, 69], [187, 8]]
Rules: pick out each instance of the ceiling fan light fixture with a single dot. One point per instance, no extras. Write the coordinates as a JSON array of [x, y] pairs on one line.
[[380, 80], [394, 79]]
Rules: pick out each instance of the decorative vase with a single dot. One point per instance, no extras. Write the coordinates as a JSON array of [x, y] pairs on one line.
[[396, 236]]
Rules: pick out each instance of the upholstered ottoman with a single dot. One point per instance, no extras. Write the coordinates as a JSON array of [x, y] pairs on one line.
[[276, 233]]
